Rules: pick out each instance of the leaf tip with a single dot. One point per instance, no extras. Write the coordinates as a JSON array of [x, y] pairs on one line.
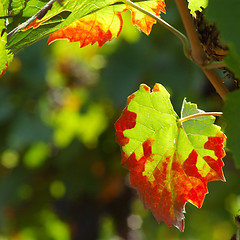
[[130, 98], [145, 87]]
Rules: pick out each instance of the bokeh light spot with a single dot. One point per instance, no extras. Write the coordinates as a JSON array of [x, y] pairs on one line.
[[9, 158], [134, 222], [57, 189]]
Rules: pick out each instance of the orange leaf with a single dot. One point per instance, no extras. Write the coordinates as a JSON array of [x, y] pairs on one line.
[[143, 21], [98, 27], [106, 24]]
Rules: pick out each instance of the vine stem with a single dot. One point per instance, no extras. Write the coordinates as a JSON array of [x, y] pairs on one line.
[[204, 114], [216, 81], [38, 15], [214, 65], [181, 36], [237, 222], [5, 17], [198, 55], [197, 52]]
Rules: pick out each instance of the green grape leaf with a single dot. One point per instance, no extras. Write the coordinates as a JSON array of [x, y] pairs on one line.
[[196, 5], [231, 115], [17, 6], [6, 56], [86, 21], [224, 14], [170, 160]]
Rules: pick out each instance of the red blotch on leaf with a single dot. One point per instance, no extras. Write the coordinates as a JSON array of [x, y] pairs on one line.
[[187, 184], [216, 144], [146, 23], [101, 27], [136, 168], [86, 31], [4, 70], [156, 88], [199, 184], [160, 7], [155, 193], [146, 88], [126, 121]]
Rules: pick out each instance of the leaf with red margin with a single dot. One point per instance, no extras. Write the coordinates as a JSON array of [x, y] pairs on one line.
[[106, 24], [170, 162], [5, 55], [86, 21]]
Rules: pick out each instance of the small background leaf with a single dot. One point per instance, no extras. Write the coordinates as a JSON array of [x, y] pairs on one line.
[[196, 5], [231, 115], [224, 13]]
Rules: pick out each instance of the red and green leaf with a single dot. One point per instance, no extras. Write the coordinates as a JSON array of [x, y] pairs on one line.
[[81, 21], [170, 161], [106, 24], [102, 24]]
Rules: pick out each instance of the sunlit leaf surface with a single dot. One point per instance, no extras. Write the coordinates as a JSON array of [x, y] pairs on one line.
[[170, 162]]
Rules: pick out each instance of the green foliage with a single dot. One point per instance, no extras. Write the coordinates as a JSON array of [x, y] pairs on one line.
[[232, 115], [224, 14], [216, 12], [59, 165], [17, 6], [55, 18], [197, 5]]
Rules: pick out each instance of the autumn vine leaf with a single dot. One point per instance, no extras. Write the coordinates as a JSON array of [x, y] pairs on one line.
[[170, 160], [86, 22], [105, 24]]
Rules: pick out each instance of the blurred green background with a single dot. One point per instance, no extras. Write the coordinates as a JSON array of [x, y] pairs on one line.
[[60, 172]]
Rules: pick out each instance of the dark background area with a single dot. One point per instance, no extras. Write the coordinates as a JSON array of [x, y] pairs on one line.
[[60, 172]]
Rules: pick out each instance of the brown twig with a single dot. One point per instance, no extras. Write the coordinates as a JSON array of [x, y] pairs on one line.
[[40, 14], [198, 55], [216, 81], [197, 52], [214, 65]]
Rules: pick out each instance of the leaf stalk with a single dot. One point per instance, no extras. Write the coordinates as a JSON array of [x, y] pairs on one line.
[[181, 36], [203, 114], [5, 17], [237, 222], [197, 52]]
